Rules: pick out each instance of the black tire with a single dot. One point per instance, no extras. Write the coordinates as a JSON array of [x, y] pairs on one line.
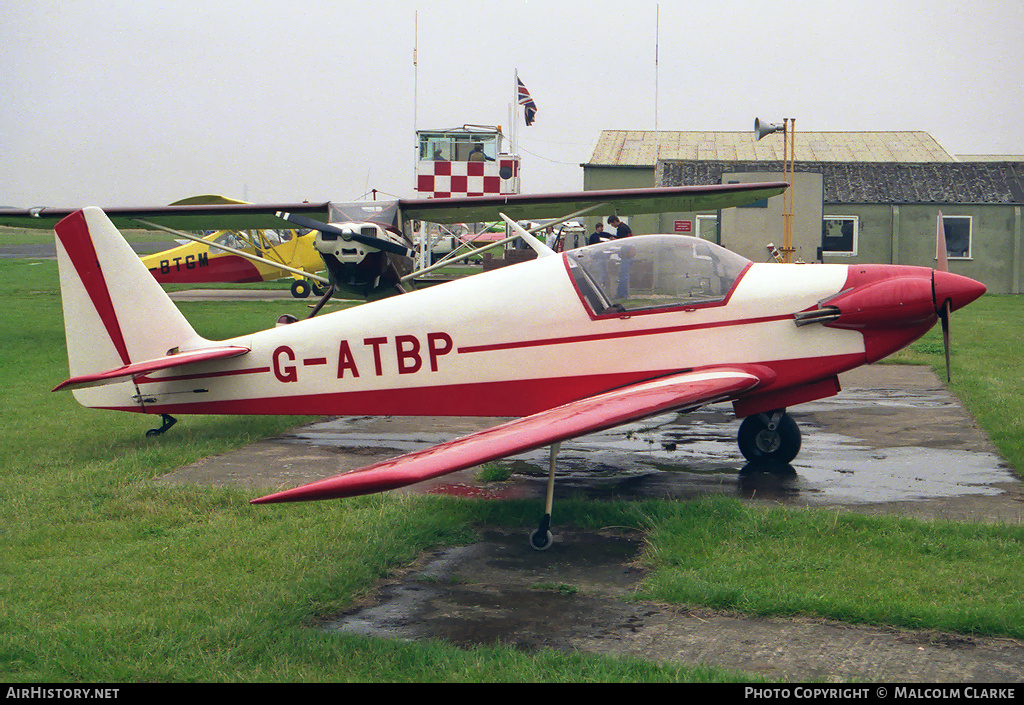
[[759, 445], [301, 288], [541, 540]]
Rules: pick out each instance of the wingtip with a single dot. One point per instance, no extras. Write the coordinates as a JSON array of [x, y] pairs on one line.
[[276, 498], [344, 485], [295, 494]]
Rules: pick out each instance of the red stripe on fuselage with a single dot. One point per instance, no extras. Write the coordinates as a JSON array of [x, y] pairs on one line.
[[219, 268], [74, 235], [618, 334]]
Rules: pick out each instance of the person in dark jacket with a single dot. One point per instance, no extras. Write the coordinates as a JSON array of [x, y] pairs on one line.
[[621, 229], [599, 235]]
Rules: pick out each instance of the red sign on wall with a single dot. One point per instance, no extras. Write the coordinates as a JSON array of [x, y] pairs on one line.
[[684, 226]]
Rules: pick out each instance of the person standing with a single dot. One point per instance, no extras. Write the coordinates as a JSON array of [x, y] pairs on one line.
[[550, 237], [625, 257], [599, 235], [621, 229]]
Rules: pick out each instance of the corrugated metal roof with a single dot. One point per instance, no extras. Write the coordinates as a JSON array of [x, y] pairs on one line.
[[643, 148], [877, 182], [990, 157]]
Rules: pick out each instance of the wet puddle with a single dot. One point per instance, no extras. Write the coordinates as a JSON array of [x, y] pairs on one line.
[[552, 599], [870, 447]]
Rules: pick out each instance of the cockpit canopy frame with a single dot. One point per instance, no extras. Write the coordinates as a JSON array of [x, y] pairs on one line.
[[654, 273]]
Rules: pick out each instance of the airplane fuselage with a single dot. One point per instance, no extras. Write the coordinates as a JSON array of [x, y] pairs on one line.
[[483, 346]]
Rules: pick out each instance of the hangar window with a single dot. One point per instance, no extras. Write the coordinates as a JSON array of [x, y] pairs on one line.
[[839, 234], [958, 236], [707, 227], [653, 273]]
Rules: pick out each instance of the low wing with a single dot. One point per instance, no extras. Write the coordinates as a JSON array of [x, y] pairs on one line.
[[161, 363], [193, 216], [679, 199], [683, 391]]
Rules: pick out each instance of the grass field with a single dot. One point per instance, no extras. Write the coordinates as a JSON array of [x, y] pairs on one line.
[[987, 369], [106, 576]]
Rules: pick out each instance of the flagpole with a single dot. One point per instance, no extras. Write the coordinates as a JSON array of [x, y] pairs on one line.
[[515, 114]]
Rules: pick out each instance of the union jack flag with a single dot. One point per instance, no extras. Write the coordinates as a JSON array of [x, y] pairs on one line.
[[527, 102]]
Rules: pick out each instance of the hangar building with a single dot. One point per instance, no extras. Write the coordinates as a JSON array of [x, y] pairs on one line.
[[869, 197]]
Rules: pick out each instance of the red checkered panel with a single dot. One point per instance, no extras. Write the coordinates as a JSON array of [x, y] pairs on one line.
[[447, 179]]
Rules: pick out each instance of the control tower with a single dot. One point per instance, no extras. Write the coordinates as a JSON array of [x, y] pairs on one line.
[[465, 161]]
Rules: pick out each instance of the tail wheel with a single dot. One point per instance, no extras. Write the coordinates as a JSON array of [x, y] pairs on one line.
[[771, 436], [300, 288]]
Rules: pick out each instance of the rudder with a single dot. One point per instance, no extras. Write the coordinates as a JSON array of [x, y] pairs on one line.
[[115, 312]]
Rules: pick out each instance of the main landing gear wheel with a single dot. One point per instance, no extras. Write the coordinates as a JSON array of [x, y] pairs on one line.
[[769, 437]]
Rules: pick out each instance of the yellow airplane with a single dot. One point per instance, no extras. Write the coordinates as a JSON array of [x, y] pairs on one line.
[[240, 256]]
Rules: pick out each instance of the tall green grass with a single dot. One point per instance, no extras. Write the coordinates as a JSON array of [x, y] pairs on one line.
[[840, 565]]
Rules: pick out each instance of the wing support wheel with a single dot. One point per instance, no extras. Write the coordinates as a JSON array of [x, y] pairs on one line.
[[168, 421], [541, 539]]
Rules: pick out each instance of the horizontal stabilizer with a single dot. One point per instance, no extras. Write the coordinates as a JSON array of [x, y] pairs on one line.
[[161, 363], [684, 391]]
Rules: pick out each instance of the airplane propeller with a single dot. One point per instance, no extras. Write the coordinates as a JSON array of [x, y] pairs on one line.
[[944, 313], [945, 309], [379, 243]]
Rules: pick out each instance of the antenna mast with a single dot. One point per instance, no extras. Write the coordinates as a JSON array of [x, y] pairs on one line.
[[657, 135], [415, 87]]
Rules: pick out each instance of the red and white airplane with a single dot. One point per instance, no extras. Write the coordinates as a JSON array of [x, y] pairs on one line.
[[650, 323]]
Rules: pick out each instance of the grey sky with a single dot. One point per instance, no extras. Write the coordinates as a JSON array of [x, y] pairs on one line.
[[141, 103]]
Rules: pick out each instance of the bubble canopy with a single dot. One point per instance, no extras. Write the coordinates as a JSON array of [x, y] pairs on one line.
[[654, 272]]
